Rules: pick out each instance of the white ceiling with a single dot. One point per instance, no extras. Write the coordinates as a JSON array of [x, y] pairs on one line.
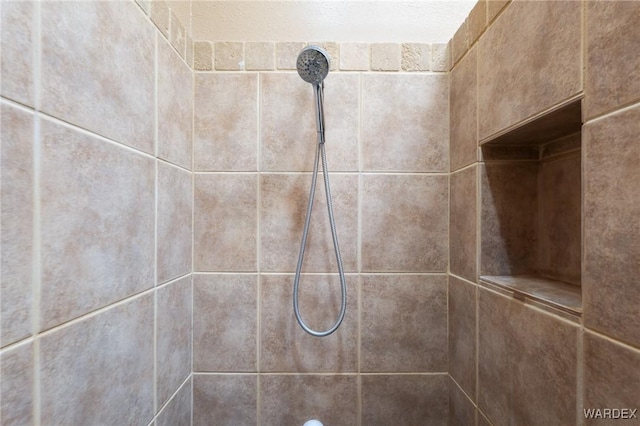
[[432, 21]]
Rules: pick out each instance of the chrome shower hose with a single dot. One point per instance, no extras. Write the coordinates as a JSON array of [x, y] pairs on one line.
[[320, 152]]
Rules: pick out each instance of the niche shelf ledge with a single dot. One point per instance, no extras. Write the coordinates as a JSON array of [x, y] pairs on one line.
[[546, 291]]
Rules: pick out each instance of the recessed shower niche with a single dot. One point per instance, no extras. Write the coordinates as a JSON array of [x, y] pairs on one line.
[[531, 210]]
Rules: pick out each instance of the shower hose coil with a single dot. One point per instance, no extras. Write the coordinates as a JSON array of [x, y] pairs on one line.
[[320, 152]]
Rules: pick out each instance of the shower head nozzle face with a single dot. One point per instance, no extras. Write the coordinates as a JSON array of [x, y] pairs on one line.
[[313, 64]]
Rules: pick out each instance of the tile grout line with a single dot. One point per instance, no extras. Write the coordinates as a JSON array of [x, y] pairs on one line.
[[359, 254], [477, 275], [37, 215], [193, 210], [156, 123], [258, 247]]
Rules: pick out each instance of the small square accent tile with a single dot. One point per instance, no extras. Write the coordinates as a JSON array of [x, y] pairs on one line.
[[160, 16], [229, 56], [189, 51], [287, 54], [178, 35], [385, 56], [202, 56], [333, 50], [416, 57], [460, 42], [477, 20], [440, 57], [260, 56], [354, 56]]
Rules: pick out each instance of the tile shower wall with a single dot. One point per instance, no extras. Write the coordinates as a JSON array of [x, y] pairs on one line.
[[96, 216], [509, 361], [387, 148]]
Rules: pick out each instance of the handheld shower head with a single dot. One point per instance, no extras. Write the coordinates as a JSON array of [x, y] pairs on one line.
[[313, 64]]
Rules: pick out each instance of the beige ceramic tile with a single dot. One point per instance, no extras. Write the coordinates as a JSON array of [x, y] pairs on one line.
[[225, 323], [174, 217], [460, 42], [226, 122], [333, 50], [416, 56], [440, 57], [509, 203], [285, 347], [561, 219], [202, 56], [227, 400], [543, 66], [611, 227], [226, 222], [494, 7], [612, 34], [395, 310], [97, 222], [16, 387], [402, 131], [182, 10], [189, 51], [173, 337], [175, 109], [260, 55], [463, 235], [292, 400], [464, 113], [178, 411], [17, 36], [611, 377], [494, 379], [482, 420], [521, 351], [145, 5], [407, 400], [287, 54], [288, 122], [160, 15], [477, 21], [462, 334], [354, 56], [98, 69], [178, 35], [16, 221], [386, 56], [405, 219], [93, 370], [282, 215], [229, 56], [461, 410]]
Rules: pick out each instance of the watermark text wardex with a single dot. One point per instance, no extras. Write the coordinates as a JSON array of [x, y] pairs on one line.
[[611, 413]]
